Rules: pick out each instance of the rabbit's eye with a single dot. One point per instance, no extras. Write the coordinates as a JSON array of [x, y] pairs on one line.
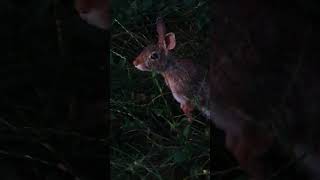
[[154, 55]]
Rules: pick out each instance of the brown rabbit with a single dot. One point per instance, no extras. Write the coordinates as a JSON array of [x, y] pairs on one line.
[[186, 80]]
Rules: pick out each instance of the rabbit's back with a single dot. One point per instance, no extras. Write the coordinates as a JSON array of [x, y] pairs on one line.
[[187, 81]]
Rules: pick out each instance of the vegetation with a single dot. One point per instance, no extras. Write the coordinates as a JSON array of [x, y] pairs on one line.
[[150, 137]]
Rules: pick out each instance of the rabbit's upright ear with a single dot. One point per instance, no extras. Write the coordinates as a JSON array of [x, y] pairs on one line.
[[170, 41], [161, 30]]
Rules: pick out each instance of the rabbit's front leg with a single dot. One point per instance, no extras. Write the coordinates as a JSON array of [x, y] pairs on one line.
[[187, 108]]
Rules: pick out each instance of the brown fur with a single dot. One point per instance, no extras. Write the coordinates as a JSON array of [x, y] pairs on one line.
[[186, 80]]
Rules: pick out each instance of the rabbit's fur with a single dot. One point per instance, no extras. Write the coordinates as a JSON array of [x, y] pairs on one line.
[[186, 80]]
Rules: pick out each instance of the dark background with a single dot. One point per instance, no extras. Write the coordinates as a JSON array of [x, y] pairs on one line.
[[53, 92], [270, 73]]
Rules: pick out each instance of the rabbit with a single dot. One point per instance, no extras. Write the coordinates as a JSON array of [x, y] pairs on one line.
[[186, 80]]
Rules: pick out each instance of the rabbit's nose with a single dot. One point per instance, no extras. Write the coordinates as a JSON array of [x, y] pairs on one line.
[[135, 63]]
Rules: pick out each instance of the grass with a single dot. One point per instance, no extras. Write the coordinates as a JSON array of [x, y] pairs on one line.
[[150, 137]]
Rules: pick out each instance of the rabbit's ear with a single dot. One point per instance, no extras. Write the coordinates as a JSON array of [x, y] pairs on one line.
[[170, 41], [161, 30]]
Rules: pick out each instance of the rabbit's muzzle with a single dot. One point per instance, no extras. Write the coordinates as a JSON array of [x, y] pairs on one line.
[[140, 65]]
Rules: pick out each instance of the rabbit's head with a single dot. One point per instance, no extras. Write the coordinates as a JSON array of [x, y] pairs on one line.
[[156, 57]]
